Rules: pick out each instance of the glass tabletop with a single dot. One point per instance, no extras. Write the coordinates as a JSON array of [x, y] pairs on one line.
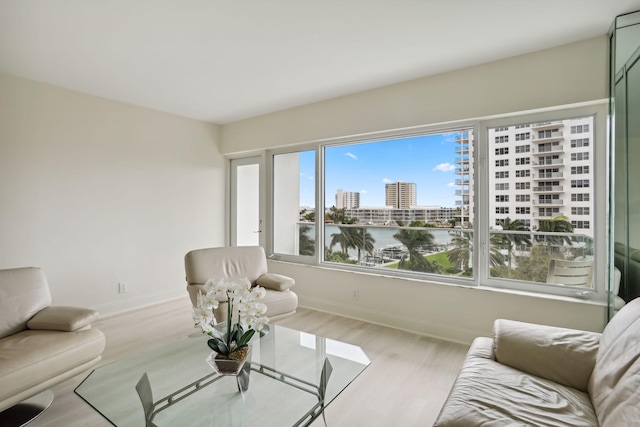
[[292, 377]]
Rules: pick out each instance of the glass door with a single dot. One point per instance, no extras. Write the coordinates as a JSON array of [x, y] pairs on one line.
[[625, 140], [247, 205]]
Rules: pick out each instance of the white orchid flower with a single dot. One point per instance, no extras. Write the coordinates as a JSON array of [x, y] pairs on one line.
[[241, 297], [258, 292]]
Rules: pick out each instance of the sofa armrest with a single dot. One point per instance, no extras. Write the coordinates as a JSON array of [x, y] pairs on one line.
[[481, 347], [61, 318], [276, 282], [565, 356]]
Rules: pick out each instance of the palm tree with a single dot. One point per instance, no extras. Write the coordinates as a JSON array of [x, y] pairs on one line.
[[558, 224], [307, 245], [339, 216], [462, 252], [414, 240], [509, 241], [353, 237]]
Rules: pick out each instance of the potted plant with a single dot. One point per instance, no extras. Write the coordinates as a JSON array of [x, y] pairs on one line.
[[245, 315]]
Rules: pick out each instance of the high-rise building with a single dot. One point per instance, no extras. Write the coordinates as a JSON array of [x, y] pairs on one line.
[[400, 195], [464, 182], [540, 171], [347, 199]]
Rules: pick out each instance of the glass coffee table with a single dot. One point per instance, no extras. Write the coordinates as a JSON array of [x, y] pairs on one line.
[[290, 378]]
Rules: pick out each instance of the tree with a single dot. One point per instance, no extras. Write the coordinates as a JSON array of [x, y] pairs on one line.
[[533, 268], [558, 224], [462, 251], [307, 245], [353, 237], [414, 240], [509, 241], [339, 216], [342, 257], [308, 216]]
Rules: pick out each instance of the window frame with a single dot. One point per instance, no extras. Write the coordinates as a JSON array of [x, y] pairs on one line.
[[598, 177]]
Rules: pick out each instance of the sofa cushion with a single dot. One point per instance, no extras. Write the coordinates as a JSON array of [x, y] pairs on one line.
[[23, 292], [615, 380], [544, 351], [30, 357], [277, 282], [488, 393], [62, 318]]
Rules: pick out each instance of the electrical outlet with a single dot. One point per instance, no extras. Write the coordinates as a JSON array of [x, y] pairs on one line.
[[355, 295], [122, 287]]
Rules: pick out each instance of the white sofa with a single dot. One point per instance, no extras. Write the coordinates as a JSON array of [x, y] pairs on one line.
[[40, 345], [535, 375], [236, 262]]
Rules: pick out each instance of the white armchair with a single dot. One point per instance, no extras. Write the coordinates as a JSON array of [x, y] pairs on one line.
[[235, 262]]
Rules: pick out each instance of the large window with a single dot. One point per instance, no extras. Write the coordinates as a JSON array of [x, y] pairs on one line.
[[523, 244], [409, 206], [419, 204]]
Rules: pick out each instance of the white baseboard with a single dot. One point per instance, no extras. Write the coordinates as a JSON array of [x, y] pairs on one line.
[[134, 302]]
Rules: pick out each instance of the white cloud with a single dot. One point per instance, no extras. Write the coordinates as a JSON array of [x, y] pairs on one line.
[[353, 156], [451, 184], [386, 180], [363, 191], [445, 167]]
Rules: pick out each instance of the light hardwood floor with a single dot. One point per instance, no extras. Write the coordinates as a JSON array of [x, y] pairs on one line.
[[405, 385]]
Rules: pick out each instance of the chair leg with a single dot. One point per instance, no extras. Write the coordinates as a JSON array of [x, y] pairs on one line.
[[27, 410]]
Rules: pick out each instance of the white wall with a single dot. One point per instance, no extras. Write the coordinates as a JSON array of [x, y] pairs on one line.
[[97, 192], [564, 75]]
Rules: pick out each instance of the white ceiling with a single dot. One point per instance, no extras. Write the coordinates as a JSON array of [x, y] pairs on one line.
[[223, 61]]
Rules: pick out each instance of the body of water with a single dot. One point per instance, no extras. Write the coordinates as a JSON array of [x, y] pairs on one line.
[[384, 239]]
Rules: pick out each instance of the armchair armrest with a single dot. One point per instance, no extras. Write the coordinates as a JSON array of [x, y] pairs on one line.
[[62, 318], [565, 356], [276, 282]]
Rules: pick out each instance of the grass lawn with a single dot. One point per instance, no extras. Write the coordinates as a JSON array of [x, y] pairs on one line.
[[441, 258]]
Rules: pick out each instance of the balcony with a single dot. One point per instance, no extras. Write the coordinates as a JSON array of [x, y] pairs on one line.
[[462, 192], [547, 175], [544, 163], [462, 182], [552, 137], [462, 160], [543, 151], [546, 125], [549, 189], [463, 150], [545, 214], [463, 170], [548, 202]]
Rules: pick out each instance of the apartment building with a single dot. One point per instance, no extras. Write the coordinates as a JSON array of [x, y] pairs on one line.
[[347, 199], [540, 171], [391, 216], [401, 195], [464, 182]]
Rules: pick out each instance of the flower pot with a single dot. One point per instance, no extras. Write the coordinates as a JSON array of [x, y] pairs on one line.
[[231, 364]]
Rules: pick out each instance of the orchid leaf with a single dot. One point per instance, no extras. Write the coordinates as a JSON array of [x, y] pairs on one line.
[[218, 346], [246, 337]]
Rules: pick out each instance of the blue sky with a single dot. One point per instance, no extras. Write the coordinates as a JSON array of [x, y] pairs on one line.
[[427, 161]]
